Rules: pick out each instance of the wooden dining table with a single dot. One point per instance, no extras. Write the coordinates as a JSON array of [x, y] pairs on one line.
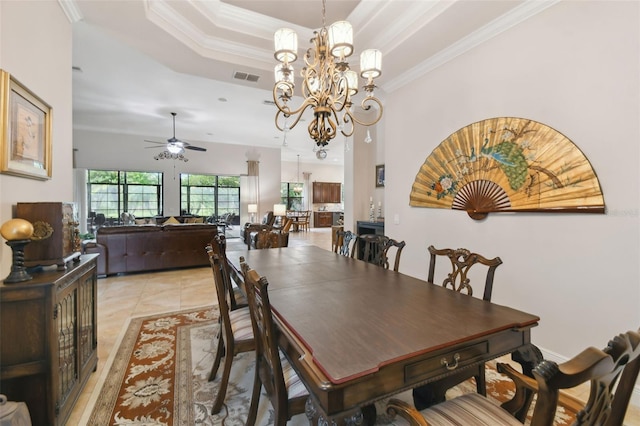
[[356, 333]]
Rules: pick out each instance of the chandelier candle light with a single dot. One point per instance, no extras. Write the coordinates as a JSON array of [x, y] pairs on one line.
[[327, 81]]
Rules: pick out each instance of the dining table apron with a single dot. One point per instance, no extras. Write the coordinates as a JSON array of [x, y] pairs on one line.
[[356, 333]]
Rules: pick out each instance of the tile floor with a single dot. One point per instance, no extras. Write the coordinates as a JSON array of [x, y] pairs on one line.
[[132, 295]]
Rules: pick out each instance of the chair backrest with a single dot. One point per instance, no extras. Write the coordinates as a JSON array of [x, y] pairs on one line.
[[461, 261], [218, 246], [268, 218], [264, 330], [287, 225], [397, 246], [225, 296], [370, 248], [343, 245], [612, 372]]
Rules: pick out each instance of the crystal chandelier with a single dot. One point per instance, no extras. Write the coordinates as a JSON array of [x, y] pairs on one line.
[[328, 83]]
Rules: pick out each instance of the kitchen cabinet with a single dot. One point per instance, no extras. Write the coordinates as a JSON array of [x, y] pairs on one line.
[[49, 335], [322, 219], [327, 192]]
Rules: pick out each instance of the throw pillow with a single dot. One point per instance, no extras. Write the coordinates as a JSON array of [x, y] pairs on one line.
[[141, 221], [171, 220], [199, 220], [190, 220]]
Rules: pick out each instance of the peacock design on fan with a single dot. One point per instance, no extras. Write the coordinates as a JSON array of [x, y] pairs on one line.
[[507, 164]]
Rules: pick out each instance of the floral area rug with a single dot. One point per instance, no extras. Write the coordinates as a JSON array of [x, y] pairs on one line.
[[159, 376]]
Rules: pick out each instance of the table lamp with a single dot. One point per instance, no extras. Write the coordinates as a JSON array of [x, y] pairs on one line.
[[253, 209], [280, 210], [18, 234]]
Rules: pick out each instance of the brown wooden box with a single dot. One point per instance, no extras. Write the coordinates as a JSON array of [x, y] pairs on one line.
[[63, 244]]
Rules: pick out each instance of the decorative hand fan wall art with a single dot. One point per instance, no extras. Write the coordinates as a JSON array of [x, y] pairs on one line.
[[507, 164]]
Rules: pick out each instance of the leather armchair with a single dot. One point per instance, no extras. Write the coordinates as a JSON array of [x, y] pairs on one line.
[[267, 224]]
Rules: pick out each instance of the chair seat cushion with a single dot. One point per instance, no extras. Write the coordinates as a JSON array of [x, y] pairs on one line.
[[295, 387], [240, 320], [468, 409]]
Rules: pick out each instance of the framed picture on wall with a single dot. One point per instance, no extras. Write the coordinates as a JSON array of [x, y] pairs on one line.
[[380, 175], [25, 126]]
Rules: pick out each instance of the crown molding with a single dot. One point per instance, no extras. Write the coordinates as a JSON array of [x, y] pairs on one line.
[[497, 26], [71, 10]]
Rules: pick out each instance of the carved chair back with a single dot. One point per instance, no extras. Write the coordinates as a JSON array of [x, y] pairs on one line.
[[397, 246], [345, 243], [371, 248], [461, 261], [612, 373]]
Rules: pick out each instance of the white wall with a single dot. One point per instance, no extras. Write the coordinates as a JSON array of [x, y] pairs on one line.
[[574, 67], [109, 151], [35, 47]]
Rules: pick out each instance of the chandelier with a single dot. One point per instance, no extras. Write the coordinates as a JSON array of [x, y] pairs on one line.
[[328, 83]]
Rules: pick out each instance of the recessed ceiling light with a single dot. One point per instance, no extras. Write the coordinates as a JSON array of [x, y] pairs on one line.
[[222, 99], [76, 69]]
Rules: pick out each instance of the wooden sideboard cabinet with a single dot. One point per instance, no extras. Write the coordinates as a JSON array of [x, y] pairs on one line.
[[49, 339], [327, 192]]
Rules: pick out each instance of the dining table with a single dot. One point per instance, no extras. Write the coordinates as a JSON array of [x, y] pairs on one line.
[[356, 333]]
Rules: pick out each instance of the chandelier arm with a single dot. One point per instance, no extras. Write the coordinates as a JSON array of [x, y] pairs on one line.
[[287, 112], [366, 107], [347, 120]]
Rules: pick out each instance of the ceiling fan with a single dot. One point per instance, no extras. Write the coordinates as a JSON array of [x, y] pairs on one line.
[[174, 145]]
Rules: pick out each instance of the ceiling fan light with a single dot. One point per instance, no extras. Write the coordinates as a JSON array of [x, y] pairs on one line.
[[286, 45], [174, 148], [341, 39], [371, 63]]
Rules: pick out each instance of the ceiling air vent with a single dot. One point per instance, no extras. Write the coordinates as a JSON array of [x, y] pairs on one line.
[[239, 75]]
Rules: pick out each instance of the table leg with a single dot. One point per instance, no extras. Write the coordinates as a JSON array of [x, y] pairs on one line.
[[317, 417], [528, 357]]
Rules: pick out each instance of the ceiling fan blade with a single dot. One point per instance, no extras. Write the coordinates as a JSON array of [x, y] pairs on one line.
[[194, 148], [153, 147], [161, 143]]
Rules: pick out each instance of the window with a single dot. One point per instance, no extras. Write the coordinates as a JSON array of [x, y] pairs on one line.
[[113, 192], [209, 195], [291, 195]]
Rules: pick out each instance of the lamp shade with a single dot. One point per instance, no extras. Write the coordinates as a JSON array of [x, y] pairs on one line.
[[341, 39], [352, 81], [371, 63], [279, 209], [252, 208], [286, 45]]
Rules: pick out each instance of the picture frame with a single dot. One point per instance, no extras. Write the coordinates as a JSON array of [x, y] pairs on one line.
[[25, 131], [379, 175]]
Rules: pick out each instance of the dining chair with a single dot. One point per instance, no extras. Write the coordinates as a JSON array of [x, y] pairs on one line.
[[345, 243], [273, 370], [611, 372], [235, 334], [303, 220], [374, 248], [460, 261], [218, 245]]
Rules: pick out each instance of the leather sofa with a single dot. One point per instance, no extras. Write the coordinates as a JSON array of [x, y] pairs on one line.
[[140, 248]]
